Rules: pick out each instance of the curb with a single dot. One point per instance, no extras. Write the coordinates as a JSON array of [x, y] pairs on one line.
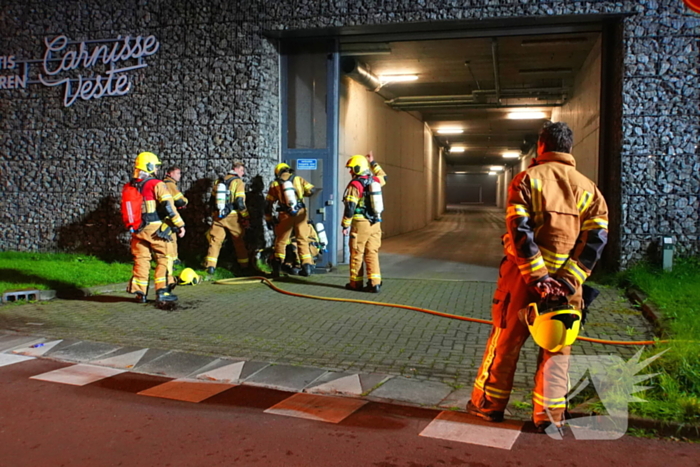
[[73, 293], [649, 311], [665, 428]]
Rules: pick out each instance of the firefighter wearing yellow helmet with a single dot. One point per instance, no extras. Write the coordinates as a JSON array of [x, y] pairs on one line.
[[286, 196], [150, 215], [557, 226], [362, 221]]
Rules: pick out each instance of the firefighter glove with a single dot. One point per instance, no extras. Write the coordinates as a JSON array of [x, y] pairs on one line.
[[164, 232]]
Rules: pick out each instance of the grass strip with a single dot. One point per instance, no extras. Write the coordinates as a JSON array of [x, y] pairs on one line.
[[675, 393]]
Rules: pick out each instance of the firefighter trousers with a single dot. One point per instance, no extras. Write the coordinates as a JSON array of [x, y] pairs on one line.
[[298, 224], [144, 245], [365, 240], [172, 253], [217, 236], [494, 380]]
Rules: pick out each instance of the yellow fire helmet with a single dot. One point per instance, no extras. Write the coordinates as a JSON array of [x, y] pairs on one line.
[[553, 329], [280, 167], [189, 277], [147, 161], [359, 165]]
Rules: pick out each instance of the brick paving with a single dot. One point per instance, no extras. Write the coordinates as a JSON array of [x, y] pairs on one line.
[[253, 322]]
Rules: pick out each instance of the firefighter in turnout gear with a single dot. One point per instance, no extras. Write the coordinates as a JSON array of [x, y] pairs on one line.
[[159, 219], [230, 215], [171, 179], [557, 227], [287, 192], [362, 221]]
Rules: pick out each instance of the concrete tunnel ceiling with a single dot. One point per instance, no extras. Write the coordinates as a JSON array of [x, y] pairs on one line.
[[456, 86]]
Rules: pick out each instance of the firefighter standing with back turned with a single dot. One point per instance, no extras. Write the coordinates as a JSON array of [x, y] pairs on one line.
[[557, 226], [153, 235], [362, 221], [171, 179], [287, 191], [230, 215]]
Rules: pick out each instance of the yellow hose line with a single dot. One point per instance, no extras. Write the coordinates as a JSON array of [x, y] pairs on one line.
[[268, 282]]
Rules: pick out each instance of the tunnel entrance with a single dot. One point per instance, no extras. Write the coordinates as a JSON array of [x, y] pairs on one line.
[[452, 116]]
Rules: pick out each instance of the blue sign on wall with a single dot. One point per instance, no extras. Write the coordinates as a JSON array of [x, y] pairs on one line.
[[307, 164]]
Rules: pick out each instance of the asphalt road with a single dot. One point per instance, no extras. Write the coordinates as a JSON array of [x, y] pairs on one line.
[[107, 423]]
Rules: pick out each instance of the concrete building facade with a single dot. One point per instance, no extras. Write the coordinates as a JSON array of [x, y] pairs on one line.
[[202, 86]]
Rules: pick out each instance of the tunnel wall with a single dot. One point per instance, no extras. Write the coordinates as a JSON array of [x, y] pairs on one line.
[[211, 93], [398, 141], [582, 113]]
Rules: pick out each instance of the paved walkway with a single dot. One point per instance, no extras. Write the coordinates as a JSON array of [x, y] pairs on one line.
[[253, 323]]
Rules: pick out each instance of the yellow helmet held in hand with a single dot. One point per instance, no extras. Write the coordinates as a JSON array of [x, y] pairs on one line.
[[552, 329], [280, 167], [359, 165], [189, 277], [147, 161]]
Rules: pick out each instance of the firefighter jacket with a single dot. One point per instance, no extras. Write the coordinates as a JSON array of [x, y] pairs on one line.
[[355, 201], [158, 204], [178, 198], [276, 194], [557, 222], [236, 198]]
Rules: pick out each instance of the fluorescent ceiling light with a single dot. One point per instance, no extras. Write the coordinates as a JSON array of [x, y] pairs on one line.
[[460, 172], [458, 149], [496, 168], [450, 131], [397, 78], [527, 115], [511, 155], [493, 173]]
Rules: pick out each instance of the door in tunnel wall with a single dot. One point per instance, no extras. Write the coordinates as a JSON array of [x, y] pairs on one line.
[[309, 94], [472, 189]]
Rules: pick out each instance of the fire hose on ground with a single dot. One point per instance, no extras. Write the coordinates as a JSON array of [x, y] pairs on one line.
[[268, 282]]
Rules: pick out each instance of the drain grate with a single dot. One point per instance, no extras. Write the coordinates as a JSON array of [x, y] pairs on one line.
[[17, 295]]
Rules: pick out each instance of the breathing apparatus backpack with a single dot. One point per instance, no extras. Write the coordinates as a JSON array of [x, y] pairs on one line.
[[132, 203], [292, 204], [222, 197], [370, 190]]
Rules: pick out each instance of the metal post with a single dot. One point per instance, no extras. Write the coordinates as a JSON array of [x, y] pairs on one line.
[[667, 253]]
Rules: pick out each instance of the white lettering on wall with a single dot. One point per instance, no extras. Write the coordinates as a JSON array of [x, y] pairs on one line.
[[62, 56]]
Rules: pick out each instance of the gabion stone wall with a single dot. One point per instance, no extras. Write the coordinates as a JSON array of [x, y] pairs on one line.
[[211, 94]]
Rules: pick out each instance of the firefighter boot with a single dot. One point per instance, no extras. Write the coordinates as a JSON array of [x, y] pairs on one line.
[[373, 288], [162, 295], [307, 269], [211, 270], [276, 267], [140, 297], [491, 416]]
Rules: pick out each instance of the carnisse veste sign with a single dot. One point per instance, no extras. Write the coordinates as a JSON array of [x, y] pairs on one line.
[[86, 70]]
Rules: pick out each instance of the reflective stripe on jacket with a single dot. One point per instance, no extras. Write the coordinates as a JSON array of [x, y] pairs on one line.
[[557, 221], [178, 198], [354, 199]]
